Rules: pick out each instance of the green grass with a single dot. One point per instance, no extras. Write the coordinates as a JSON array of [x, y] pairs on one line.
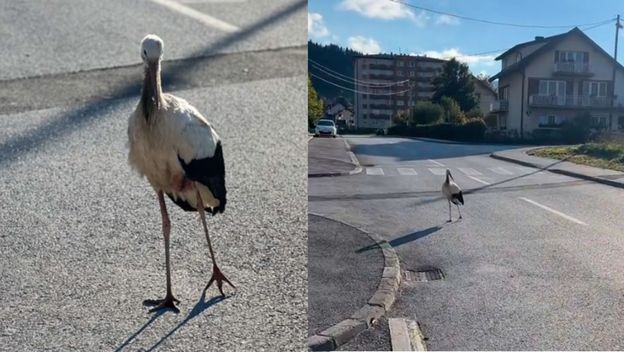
[[603, 155]]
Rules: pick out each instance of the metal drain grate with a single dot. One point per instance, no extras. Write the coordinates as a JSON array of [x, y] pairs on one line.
[[430, 274]]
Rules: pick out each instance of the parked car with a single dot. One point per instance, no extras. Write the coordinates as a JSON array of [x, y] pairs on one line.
[[325, 128]]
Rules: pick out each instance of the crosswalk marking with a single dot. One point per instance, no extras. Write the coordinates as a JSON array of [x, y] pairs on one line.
[[479, 180], [374, 171], [524, 169], [469, 171], [501, 171], [406, 171], [437, 171], [435, 162]]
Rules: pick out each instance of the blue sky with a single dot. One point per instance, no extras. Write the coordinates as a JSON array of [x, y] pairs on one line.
[[388, 26]]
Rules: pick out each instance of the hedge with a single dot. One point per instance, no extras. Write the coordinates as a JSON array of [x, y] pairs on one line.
[[472, 130]]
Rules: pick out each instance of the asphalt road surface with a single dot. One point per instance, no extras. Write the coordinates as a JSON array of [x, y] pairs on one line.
[[536, 263], [80, 234]]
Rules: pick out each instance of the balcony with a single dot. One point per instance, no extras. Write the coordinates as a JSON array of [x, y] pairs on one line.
[[499, 106], [389, 66], [568, 101], [572, 68]]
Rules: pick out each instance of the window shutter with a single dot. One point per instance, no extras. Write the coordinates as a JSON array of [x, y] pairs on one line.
[[585, 57], [556, 55]]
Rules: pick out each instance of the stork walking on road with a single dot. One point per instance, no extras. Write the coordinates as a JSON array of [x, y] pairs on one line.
[[180, 154], [453, 193]]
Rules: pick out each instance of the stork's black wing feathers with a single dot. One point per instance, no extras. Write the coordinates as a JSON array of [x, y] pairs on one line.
[[459, 196], [210, 172]]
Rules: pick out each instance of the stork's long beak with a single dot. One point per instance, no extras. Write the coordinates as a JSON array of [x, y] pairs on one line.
[[216, 184], [150, 87]]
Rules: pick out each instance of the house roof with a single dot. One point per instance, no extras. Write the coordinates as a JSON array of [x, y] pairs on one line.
[[484, 85], [550, 43]]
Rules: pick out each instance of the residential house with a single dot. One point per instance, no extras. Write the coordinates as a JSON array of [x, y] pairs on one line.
[[486, 96], [388, 84], [550, 80]]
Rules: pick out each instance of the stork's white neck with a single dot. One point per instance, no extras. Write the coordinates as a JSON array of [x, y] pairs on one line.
[[151, 97]]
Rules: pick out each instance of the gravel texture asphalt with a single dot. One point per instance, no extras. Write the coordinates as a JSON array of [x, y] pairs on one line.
[[81, 241], [328, 156], [344, 269], [63, 36]]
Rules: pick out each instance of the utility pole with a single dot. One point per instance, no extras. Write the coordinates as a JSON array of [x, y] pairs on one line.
[[617, 30]]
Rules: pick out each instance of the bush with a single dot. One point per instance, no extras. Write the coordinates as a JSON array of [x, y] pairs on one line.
[[578, 129], [426, 112], [472, 130], [452, 111], [546, 136]]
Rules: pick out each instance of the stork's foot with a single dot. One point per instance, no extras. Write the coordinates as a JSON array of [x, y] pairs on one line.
[[218, 277], [166, 303]]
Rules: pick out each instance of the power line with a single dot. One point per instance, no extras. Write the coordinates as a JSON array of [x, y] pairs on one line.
[[354, 90], [492, 22], [352, 80]]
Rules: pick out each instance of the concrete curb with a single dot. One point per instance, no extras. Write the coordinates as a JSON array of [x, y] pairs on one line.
[[378, 305], [603, 181], [358, 168]]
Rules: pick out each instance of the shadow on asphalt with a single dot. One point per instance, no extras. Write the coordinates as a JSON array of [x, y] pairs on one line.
[[199, 307], [403, 239], [60, 126], [405, 151]]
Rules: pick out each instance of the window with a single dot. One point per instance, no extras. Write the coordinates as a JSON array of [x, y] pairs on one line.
[[412, 64], [399, 73], [503, 93], [502, 122], [621, 122], [400, 63], [549, 121], [549, 87], [412, 74], [571, 56], [595, 89], [400, 103]]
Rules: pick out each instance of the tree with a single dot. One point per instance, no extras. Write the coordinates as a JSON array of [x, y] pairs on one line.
[[315, 105], [455, 82], [452, 111], [425, 113]]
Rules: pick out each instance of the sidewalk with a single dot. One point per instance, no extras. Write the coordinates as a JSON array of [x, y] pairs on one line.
[[590, 173], [331, 157], [352, 281]]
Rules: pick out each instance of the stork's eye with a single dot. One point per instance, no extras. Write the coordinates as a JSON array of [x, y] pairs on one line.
[[145, 52]]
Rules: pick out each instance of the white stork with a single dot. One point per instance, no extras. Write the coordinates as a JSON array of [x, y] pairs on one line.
[[452, 192], [179, 153]]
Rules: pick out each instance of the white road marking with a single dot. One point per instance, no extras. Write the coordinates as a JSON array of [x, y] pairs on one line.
[[197, 15], [374, 171], [437, 171], [406, 171], [524, 169], [501, 171], [479, 180], [556, 212], [469, 171], [435, 162]]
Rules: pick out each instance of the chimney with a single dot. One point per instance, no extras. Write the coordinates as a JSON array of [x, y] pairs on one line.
[[538, 38]]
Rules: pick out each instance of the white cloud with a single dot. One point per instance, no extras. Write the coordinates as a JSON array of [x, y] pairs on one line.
[[469, 59], [364, 45], [448, 20], [385, 10], [316, 26]]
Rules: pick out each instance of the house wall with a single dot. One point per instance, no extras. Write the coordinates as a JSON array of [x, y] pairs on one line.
[[486, 97], [542, 67]]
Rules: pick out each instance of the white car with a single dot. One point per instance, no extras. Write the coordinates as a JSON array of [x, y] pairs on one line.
[[325, 128]]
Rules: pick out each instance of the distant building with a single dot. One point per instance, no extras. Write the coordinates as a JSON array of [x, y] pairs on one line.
[[547, 81], [388, 84], [486, 96]]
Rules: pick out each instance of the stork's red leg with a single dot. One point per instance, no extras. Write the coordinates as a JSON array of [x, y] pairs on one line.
[[217, 275], [169, 300]]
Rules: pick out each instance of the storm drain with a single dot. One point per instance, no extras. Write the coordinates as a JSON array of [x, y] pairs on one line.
[[429, 274]]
